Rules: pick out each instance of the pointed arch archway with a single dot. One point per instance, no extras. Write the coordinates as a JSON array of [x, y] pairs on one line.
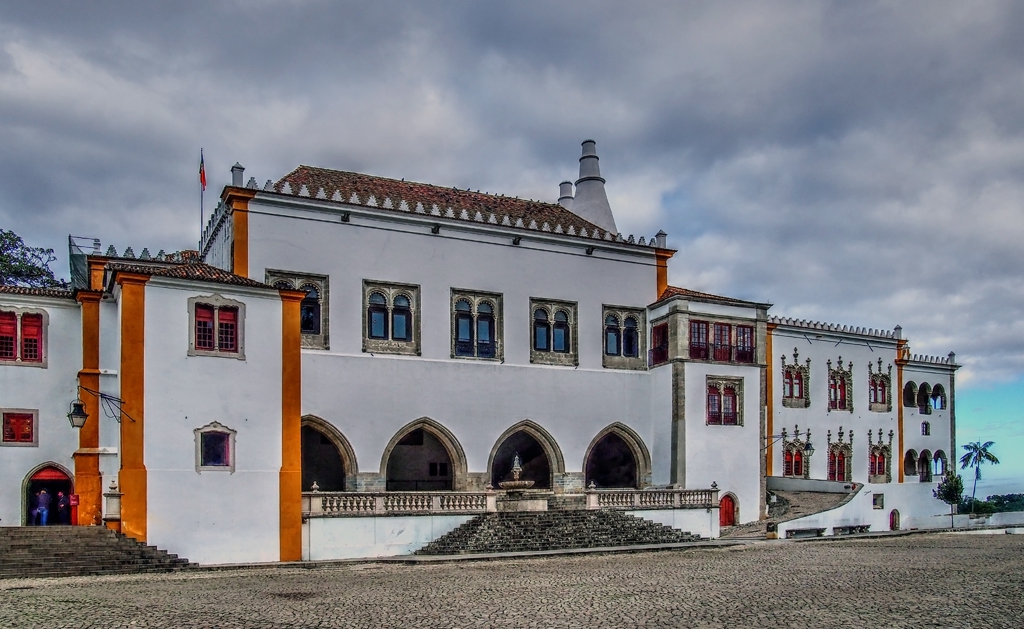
[[528, 434], [321, 461], [429, 433], [728, 510], [31, 480], [607, 446]]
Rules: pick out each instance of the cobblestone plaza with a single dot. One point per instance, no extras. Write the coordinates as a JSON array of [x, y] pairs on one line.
[[946, 580]]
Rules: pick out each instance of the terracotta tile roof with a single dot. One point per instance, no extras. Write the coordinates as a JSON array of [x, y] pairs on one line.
[[196, 271], [61, 293], [340, 186], [686, 293]]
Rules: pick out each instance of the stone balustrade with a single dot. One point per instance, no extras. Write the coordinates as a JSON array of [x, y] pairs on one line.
[[348, 503], [632, 499]]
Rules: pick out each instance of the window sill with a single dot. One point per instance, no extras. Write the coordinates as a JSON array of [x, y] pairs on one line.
[[215, 468], [875, 407], [216, 354], [382, 346], [623, 362], [554, 358], [795, 403], [39, 364]]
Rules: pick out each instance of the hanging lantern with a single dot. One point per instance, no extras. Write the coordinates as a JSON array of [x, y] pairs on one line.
[[77, 415]]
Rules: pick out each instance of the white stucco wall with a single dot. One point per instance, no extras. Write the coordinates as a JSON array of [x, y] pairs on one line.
[[49, 391], [370, 398], [703, 522], [822, 346], [213, 516], [727, 455], [384, 536]]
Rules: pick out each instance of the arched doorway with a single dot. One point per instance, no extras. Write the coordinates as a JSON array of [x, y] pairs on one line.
[[56, 482], [419, 462], [321, 462], [532, 457], [612, 461], [727, 511], [894, 520]]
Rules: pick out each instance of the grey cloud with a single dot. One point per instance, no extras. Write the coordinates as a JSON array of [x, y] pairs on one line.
[[855, 162]]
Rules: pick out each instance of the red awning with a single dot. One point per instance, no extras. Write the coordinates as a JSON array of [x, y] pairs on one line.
[[50, 473]]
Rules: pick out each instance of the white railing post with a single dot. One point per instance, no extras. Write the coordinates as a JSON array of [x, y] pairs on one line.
[[435, 503], [378, 503]]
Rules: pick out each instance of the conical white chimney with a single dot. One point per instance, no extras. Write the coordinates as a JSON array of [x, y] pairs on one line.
[[591, 201]]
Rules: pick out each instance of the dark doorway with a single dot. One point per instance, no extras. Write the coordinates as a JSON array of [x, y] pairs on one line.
[[531, 456], [321, 462], [56, 485], [419, 462], [611, 463]]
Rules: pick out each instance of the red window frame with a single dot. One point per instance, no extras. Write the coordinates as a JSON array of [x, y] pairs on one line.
[[8, 336], [227, 329], [204, 332], [714, 406], [787, 384], [723, 342], [787, 469], [699, 340], [798, 385], [744, 344], [18, 428], [32, 338], [730, 413], [659, 343], [836, 393], [798, 463]]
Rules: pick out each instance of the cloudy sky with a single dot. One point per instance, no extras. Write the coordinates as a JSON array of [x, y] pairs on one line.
[[861, 163]]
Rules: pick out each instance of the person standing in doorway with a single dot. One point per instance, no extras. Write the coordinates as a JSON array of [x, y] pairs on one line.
[[43, 506], [63, 509]]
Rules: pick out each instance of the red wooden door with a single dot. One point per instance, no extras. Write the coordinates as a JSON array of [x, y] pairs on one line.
[[726, 512]]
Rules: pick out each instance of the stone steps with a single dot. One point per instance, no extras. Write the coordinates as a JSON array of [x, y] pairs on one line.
[[552, 530], [54, 551]]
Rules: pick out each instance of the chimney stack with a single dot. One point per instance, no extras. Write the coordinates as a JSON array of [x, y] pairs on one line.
[[237, 171], [591, 201], [565, 194]]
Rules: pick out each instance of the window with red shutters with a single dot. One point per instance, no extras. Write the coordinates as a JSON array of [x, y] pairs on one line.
[[32, 338], [798, 463], [699, 340], [787, 384], [729, 415], [798, 385], [18, 428], [787, 469], [744, 344], [832, 466], [659, 343], [714, 406], [227, 329], [723, 341], [8, 335], [204, 327]]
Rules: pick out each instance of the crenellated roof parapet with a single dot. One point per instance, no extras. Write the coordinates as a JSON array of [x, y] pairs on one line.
[[834, 327]]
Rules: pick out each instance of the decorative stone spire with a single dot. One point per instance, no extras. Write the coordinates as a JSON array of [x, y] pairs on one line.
[[591, 201]]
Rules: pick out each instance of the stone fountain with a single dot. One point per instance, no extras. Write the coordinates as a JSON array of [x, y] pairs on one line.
[[516, 497]]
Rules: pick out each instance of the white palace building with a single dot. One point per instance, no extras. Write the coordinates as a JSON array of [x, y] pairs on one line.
[[350, 365]]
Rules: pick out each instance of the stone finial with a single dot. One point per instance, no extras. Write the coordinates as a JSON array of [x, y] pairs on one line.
[[354, 199], [492, 219], [583, 232], [252, 185], [314, 487], [337, 196], [321, 194], [287, 188], [571, 231], [388, 204], [372, 201], [303, 191], [545, 227], [145, 254], [269, 186], [128, 253], [111, 252]]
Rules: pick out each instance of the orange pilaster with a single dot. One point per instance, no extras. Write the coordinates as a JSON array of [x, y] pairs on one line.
[[88, 484], [238, 200], [662, 256], [291, 427], [132, 478]]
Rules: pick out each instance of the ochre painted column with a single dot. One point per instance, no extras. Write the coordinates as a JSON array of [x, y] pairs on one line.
[[132, 477], [662, 256], [291, 427], [88, 484], [901, 360], [238, 200]]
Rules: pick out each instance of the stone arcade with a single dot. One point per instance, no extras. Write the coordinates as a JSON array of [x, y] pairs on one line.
[[351, 366]]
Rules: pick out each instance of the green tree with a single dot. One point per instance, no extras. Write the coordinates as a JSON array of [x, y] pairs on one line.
[[977, 455], [21, 265], [950, 491]]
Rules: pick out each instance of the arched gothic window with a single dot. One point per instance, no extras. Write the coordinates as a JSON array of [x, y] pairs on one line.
[[714, 405], [392, 318], [623, 338], [554, 333], [313, 309], [475, 319], [377, 316], [309, 310], [560, 341], [840, 386], [612, 336], [541, 331], [401, 319], [795, 379]]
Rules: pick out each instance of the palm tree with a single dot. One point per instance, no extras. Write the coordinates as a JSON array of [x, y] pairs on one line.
[[977, 454]]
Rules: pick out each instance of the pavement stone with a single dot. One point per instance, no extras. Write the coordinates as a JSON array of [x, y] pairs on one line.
[[927, 580]]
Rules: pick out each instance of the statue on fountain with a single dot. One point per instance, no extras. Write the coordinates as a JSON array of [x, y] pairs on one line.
[[516, 484]]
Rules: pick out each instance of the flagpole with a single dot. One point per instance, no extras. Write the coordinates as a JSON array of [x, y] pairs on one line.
[[202, 191]]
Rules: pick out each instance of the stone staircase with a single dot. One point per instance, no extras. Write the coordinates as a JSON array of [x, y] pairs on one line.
[[62, 551], [552, 530]]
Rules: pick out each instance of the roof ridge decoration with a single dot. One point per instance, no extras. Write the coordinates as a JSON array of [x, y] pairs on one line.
[[832, 327], [464, 205], [252, 185]]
